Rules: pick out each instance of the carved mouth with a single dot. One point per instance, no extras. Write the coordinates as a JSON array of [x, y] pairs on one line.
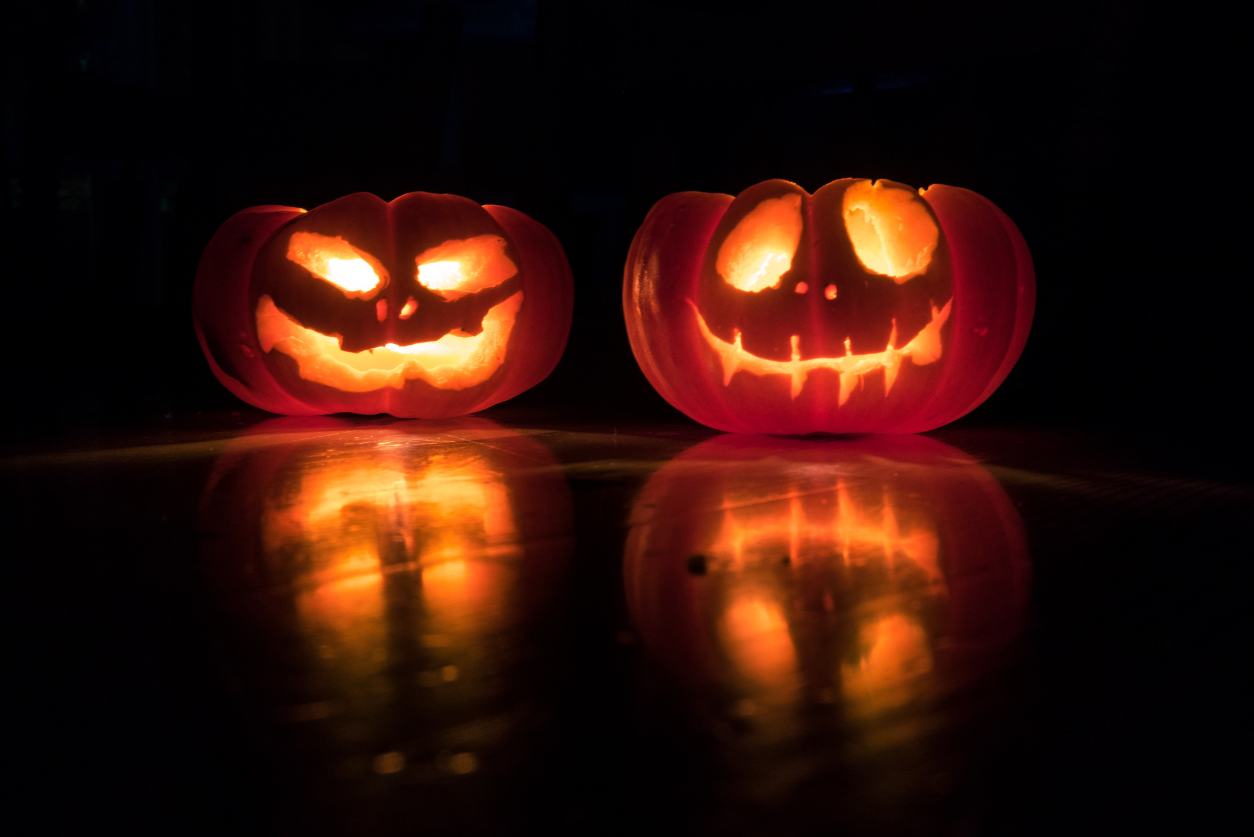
[[455, 361], [925, 348]]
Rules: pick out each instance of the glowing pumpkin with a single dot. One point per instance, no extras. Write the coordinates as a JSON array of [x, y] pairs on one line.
[[865, 307], [375, 581], [868, 576], [430, 306]]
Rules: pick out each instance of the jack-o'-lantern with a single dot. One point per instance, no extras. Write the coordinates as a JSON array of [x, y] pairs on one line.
[[865, 307], [858, 579], [379, 591], [430, 306]]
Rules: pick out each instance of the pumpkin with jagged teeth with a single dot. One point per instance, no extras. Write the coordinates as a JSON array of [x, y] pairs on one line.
[[865, 307]]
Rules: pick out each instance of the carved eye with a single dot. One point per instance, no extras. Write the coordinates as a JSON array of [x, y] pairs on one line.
[[334, 260], [464, 266], [759, 250], [892, 232]]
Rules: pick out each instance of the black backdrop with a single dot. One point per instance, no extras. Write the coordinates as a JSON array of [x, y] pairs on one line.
[[1106, 129]]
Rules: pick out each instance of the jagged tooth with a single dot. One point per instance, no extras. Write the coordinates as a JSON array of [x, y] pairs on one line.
[[848, 380], [798, 371], [731, 360], [799, 380], [891, 368]]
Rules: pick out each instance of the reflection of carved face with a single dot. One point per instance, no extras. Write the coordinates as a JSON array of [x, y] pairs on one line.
[[362, 299], [386, 584], [826, 542], [356, 525], [825, 604], [853, 282], [863, 574], [352, 519]]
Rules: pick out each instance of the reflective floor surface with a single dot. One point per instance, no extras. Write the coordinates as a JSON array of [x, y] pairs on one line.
[[507, 626]]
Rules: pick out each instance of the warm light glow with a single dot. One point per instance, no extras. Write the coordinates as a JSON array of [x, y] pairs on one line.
[[800, 523], [408, 309], [822, 524], [351, 274], [464, 595], [464, 266], [759, 251], [892, 232], [334, 260], [896, 654], [357, 522], [756, 635], [455, 361], [441, 276], [830, 292], [925, 348], [858, 529]]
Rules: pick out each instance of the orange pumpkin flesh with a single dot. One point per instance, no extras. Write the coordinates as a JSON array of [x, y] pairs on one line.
[[865, 307], [429, 306], [451, 270]]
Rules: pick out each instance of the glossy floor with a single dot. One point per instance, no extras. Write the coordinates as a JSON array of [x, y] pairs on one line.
[[509, 626]]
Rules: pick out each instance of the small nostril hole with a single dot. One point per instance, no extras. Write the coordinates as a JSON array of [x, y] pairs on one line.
[[381, 309], [801, 288], [830, 292], [408, 309]]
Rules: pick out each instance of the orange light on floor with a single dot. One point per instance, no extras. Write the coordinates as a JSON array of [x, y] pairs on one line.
[[821, 523], [755, 633], [382, 579], [360, 518], [895, 654], [869, 575]]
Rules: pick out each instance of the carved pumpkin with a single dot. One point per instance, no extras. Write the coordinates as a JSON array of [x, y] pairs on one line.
[[374, 582], [867, 575], [430, 306], [865, 307]]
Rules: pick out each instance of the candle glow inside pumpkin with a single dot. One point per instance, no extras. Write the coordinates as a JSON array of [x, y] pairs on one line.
[[455, 361]]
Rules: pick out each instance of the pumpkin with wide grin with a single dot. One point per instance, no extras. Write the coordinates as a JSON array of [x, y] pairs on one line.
[[450, 271], [454, 361], [428, 306]]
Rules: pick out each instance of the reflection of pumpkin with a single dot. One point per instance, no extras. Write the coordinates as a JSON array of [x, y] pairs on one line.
[[870, 574], [382, 581], [429, 306], [861, 308]]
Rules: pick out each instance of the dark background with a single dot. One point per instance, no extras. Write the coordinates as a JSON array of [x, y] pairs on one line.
[[1106, 130]]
